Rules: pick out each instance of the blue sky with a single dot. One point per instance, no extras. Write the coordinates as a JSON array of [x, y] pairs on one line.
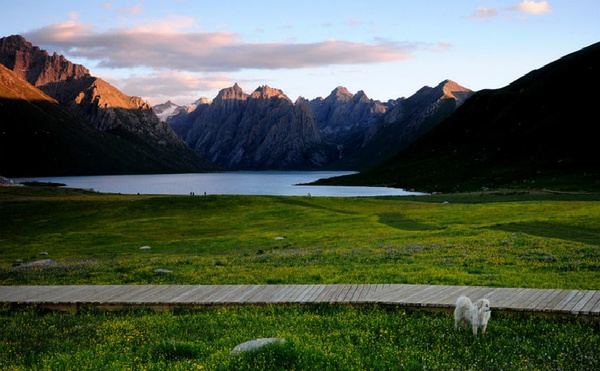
[[184, 49]]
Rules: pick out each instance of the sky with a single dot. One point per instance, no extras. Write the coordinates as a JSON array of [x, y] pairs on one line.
[[182, 50]]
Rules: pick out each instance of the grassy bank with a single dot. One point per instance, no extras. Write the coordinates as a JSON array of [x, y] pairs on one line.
[[317, 338], [510, 240], [543, 240]]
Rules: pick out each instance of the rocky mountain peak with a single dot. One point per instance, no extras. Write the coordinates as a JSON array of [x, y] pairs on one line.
[[36, 65], [201, 100], [267, 92], [234, 92], [340, 94], [453, 90], [361, 97]]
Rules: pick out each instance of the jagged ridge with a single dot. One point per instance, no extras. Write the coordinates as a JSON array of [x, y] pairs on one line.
[[101, 106]]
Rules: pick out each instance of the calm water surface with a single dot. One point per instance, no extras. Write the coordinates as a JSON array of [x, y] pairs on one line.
[[277, 183]]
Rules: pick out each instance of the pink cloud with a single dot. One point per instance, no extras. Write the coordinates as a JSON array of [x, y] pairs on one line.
[[526, 6], [164, 44], [182, 87], [137, 9], [532, 7], [484, 13]]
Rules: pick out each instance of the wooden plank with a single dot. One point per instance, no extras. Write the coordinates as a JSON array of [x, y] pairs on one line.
[[199, 295], [576, 302], [313, 293], [285, 294], [333, 293], [431, 296], [577, 308], [393, 294], [265, 296], [589, 306], [324, 296], [93, 294], [181, 293], [67, 293], [508, 298], [229, 296], [350, 293], [340, 295], [549, 307], [552, 294], [596, 308], [499, 296], [415, 298], [151, 296], [450, 297], [216, 296], [304, 296], [528, 301], [559, 307], [300, 292], [254, 296], [358, 295], [239, 297], [568, 307], [537, 301]]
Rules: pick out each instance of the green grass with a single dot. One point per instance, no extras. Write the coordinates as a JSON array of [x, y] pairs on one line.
[[317, 338], [510, 240], [515, 239]]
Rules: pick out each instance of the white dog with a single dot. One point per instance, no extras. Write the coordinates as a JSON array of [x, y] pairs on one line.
[[477, 314]]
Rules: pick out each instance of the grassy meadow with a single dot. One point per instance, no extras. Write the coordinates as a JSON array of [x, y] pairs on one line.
[[512, 239]]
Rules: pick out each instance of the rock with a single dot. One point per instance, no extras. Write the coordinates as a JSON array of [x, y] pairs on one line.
[[39, 263], [255, 344], [279, 238], [145, 248], [161, 270]]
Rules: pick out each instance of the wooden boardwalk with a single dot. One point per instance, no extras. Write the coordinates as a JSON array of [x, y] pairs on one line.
[[573, 302]]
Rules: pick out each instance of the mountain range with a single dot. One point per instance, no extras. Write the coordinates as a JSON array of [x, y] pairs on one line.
[[266, 130], [58, 119], [540, 131]]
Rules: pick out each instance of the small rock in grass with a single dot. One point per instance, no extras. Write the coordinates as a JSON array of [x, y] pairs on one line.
[[161, 270], [145, 248], [44, 253], [255, 344], [279, 238], [39, 263]]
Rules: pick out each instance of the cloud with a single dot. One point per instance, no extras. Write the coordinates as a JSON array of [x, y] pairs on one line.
[[526, 6], [182, 87], [484, 13], [532, 7], [164, 44], [137, 9]]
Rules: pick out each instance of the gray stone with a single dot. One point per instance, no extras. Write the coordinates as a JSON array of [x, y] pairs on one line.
[[255, 344], [39, 263]]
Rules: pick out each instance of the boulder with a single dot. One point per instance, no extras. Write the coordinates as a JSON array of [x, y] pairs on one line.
[[255, 344]]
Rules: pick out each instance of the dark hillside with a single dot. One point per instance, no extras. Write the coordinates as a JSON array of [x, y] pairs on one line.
[[541, 131], [39, 137]]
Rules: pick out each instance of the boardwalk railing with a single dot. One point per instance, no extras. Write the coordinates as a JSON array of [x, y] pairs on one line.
[[575, 302]]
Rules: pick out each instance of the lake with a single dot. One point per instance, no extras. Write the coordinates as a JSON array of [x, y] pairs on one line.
[[276, 183]]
